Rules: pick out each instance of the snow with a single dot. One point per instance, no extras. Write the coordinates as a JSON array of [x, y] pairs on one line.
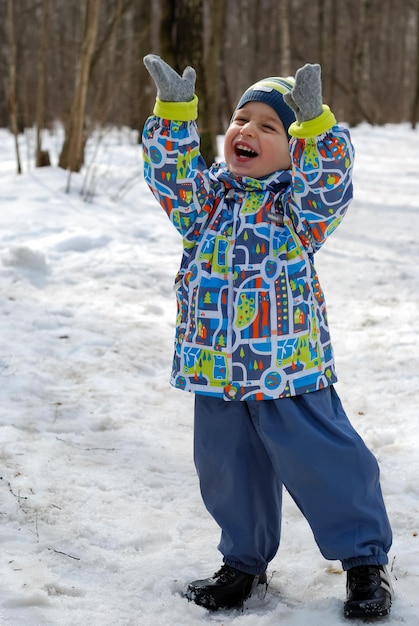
[[101, 518]]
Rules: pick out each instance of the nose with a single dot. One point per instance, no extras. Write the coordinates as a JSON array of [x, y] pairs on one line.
[[247, 129]]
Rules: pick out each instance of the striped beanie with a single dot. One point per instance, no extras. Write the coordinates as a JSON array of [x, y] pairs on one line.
[[270, 91]]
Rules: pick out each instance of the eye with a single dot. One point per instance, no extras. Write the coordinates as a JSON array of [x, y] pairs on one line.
[[269, 127]]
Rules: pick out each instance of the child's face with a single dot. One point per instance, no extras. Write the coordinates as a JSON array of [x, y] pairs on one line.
[[256, 143]]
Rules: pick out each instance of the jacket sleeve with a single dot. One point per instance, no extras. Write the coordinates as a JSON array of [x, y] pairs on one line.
[[321, 187], [177, 174]]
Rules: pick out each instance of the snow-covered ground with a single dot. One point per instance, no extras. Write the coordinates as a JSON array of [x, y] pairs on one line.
[[101, 519]]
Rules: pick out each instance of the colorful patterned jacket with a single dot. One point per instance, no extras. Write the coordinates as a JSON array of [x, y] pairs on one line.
[[251, 321]]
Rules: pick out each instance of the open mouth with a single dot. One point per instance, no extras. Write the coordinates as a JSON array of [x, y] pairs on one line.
[[244, 152]]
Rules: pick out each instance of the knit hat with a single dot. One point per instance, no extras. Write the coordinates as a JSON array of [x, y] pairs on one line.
[[270, 91]]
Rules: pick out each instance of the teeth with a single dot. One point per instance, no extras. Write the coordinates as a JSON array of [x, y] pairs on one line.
[[245, 148]]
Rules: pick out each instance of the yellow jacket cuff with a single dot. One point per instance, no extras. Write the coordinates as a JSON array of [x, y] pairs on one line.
[[179, 111], [314, 127]]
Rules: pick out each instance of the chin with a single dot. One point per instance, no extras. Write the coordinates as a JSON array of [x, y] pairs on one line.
[[241, 171]]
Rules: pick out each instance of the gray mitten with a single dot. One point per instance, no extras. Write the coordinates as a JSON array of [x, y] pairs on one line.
[[170, 86], [305, 98]]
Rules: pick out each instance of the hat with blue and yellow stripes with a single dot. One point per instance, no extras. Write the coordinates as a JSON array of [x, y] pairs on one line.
[[270, 91]]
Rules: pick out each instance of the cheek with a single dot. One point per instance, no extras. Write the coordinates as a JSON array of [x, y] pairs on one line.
[[287, 159], [284, 157], [279, 157], [227, 146]]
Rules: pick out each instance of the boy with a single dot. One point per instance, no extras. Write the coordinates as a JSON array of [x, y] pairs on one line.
[[252, 338]]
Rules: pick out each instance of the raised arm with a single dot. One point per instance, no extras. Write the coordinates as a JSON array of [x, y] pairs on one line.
[[173, 167], [322, 161]]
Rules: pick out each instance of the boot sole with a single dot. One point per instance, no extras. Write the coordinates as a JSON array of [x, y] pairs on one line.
[[207, 601], [370, 612]]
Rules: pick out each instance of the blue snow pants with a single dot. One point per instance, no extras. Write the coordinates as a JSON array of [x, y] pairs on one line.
[[246, 451]]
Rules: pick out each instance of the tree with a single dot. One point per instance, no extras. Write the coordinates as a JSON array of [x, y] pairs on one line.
[[415, 105], [201, 49], [88, 68], [212, 57], [362, 30], [141, 106], [189, 18], [12, 80], [285, 51], [72, 154], [167, 20], [42, 156]]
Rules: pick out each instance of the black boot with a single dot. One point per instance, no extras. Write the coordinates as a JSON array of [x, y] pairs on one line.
[[228, 587], [369, 592]]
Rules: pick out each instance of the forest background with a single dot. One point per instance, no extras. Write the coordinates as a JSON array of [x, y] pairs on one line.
[[79, 63]]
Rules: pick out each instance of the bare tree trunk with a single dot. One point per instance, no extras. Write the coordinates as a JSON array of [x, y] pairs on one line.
[[332, 49], [243, 67], [189, 18], [167, 23], [362, 30], [321, 32], [213, 74], [368, 49], [12, 80], [72, 154], [42, 156], [111, 26], [415, 106], [285, 52], [143, 47], [109, 70]]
